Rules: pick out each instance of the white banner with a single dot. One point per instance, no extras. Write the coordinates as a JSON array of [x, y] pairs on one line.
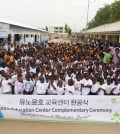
[[101, 109], [4, 30]]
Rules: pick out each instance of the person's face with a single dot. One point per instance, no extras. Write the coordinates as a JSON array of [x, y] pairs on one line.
[[109, 81], [87, 76], [19, 71], [105, 75], [27, 69], [42, 79], [60, 83], [6, 76], [101, 81], [69, 72], [31, 74], [78, 78], [116, 81], [20, 79], [94, 80], [23, 65], [70, 82], [19, 63], [117, 51]]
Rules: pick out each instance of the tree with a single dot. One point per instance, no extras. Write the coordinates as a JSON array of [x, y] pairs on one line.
[[69, 31], [106, 14], [66, 28], [46, 28]]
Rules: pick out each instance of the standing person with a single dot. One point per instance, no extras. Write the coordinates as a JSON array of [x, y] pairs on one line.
[[95, 86], [60, 88], [41, 86], [116, 56], [107, 56], [70, 89], [6, 84], [108, 86], [68, 76], [86, 85], [77, 84], [116, 87], [52, 86], [18, 85], [28, 86], [101, 89]]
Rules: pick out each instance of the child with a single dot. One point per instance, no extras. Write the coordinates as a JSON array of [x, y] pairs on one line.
[[41, 86], [60, 88], [28, 86], [95, 86], [52, 86], [86, 85], [6, 84], [101, 88], [70, 89], [116, 89], [109, 86], [18, 85], [77, 85]]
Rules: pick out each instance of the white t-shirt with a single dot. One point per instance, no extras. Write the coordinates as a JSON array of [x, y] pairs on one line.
[[60, 90], [19, 87], [69, 89], [12, 49], [67, 78], [86, 90], [116, 91], [5, 87], [101, 92], [33, 70], [77, 84], [108, 88], [77, 92], [51, 90], [41, 87], [95, 87], [14, 78]]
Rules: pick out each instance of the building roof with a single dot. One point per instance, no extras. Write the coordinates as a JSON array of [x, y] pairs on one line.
[[107, 28], [11, 22]]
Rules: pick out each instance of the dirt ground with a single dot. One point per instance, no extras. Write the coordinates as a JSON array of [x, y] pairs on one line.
[[25, 127]]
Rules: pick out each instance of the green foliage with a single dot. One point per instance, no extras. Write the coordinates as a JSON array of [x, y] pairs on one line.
[[46, 28], [116, 114], [106, 14], [68, 29]]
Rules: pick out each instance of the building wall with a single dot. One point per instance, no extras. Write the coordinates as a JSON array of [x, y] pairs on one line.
[[99, 36], [27, 35], [56, 29]]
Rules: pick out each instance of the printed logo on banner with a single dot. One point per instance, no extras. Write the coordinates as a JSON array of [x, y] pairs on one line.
[[1, 115], [114, 101], [116, 116]]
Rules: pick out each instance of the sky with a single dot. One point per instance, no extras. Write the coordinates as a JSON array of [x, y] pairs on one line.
[[41, 13]]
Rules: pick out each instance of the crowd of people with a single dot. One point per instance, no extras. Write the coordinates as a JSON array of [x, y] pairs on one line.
[[60, 69]]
